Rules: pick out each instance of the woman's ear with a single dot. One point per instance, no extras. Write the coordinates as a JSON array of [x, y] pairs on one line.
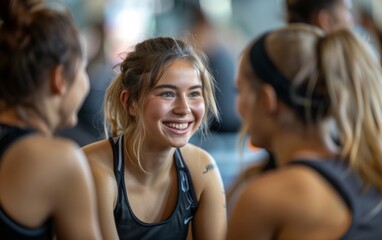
[[58, 82], [123, 99], [324, 20], [133, 109], [269, 98]]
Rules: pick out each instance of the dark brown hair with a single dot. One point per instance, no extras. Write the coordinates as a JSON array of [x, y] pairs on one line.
[[34, 39], [301, 11]]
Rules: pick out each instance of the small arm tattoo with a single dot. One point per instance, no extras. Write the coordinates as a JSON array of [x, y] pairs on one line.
[[209, 167]]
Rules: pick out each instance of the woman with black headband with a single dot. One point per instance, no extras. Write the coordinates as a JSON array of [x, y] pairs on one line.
[[291, 83], [325, 14]]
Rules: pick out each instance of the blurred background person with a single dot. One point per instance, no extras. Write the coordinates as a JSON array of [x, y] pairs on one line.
[[221, 63], [371, 20], [46, 186], [325, 14]]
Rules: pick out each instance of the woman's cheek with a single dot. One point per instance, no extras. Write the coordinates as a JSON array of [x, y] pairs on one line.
[[200, 110]]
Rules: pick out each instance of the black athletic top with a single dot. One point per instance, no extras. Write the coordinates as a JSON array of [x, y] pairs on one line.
[[364, 203], [9, 229], [176, 226]]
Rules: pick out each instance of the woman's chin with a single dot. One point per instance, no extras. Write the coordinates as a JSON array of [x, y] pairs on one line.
[[69, 123]]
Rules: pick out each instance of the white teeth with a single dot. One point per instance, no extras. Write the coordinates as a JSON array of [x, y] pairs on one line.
[[179, 126]]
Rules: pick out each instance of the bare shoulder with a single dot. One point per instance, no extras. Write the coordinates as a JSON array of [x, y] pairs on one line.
[[203, 169], [100, 152], [290, 183], [100, 157], [101, 160], [44, 164], [197, 159], [294, 192], [50, 155]]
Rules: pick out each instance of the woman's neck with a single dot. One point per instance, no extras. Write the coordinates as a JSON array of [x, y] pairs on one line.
[[154, 165], [26, 118], [311, 144]]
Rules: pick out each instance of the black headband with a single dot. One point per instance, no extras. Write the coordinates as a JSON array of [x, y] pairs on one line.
[[268, 73]]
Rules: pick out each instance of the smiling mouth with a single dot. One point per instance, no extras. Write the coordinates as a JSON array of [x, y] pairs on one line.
[[178, 126]]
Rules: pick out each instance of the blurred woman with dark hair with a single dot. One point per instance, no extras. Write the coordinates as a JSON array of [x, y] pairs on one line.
[[45, 182], [325, 14]]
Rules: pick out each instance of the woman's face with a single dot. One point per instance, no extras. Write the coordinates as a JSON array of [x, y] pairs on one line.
[[342, 14], [175, 107], [246, 96], [249, 106], [75, 96]]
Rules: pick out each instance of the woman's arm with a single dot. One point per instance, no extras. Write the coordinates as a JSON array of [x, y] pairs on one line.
[[252, 216], [74, 204], [210, 220], [106, 188]]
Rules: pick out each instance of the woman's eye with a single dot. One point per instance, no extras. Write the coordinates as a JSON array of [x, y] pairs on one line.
[[167, 94], [195, 94]]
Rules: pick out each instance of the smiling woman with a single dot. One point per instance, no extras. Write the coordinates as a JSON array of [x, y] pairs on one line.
[[175, 106], [151, 183]]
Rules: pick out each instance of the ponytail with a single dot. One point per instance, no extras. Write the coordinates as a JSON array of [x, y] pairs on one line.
[[353, 79], [16, 13], [16, 17]]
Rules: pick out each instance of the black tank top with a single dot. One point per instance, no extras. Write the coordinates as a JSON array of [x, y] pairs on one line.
[[176, 226], [364, 203], [9, 229]]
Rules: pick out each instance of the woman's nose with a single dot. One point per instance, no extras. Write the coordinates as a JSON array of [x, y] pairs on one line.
[[182, 106]]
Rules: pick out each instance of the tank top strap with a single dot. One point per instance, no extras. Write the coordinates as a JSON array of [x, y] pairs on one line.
[[364, 203], [118, 156], [185, 180], [9, 228], [336, 173], [9, 135], [179, 161]]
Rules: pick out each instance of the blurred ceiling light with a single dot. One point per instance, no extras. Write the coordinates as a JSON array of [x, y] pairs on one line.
[[127, 23], [219, 10]]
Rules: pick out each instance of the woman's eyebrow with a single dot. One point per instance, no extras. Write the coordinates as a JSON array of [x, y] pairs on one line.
[[175, 87]]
